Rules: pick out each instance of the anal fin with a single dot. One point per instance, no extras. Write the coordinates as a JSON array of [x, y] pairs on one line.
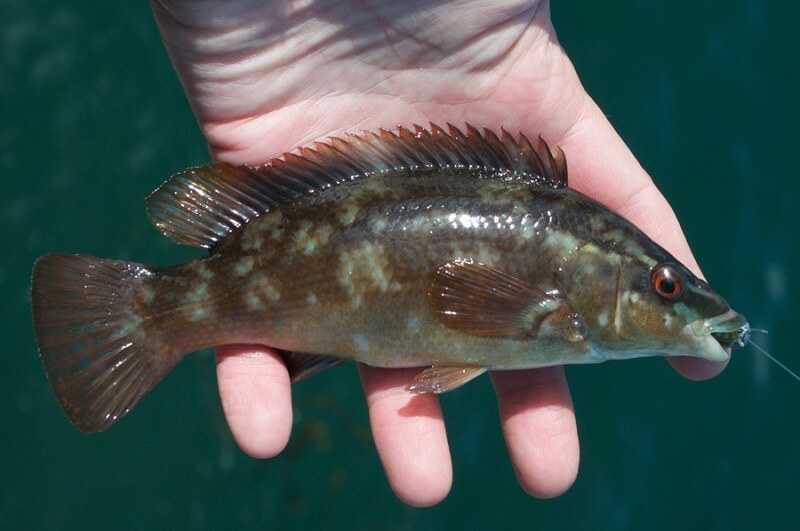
[[439, 380]]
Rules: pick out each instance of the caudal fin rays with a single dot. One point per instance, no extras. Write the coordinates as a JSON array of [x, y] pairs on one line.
[[96, 355]]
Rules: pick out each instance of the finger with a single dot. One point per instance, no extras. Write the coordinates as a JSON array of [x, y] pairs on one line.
[[597, 157], [409, 435], [539, 427], [697, 369], [256, 397]]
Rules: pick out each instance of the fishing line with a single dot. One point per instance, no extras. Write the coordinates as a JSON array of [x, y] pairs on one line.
[[771, 357]]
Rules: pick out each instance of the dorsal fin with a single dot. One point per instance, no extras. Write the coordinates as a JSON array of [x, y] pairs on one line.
[[200, 206]]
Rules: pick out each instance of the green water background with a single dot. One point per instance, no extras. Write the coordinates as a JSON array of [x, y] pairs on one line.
[[92, 118]]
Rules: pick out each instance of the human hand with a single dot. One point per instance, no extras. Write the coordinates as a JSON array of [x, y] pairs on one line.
[[266, 77]]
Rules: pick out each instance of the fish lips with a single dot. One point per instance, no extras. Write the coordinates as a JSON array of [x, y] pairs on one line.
[[722, 335]]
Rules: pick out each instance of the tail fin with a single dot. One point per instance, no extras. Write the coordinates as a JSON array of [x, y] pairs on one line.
[[91, 340]]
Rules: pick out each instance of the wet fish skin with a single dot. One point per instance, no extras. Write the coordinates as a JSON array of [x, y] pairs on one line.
[[464, 252]]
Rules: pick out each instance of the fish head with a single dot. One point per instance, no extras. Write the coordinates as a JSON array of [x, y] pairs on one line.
[[651, 304], [665, 309]]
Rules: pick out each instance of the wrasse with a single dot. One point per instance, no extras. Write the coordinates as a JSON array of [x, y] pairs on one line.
[[458, 252]]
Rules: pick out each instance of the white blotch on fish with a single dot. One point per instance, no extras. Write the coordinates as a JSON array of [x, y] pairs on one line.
[[244, 266], [263, 289], [366, 269], [361, 343], [308, 237]]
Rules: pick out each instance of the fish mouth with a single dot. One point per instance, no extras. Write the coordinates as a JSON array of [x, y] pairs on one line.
[[730, 330]]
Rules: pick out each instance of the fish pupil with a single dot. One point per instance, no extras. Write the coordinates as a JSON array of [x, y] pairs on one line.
[[667, 286]]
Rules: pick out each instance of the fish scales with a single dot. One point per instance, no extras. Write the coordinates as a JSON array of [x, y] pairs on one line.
[[460, 252], [366, 272]]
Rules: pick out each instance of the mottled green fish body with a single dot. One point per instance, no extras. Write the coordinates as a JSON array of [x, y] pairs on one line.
[[431, 248]]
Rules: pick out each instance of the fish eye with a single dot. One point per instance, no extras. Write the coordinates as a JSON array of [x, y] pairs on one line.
[[667, 281]]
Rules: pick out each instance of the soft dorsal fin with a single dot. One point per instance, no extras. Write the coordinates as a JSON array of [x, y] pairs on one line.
[[202, 205]]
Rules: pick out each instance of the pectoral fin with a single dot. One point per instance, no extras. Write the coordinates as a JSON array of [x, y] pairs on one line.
[[482, 300], [442, 379]]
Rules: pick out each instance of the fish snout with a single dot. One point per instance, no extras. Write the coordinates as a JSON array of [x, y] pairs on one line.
[[731, 330]]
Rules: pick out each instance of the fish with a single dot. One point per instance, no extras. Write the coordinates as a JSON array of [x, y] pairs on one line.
[[458, 252]]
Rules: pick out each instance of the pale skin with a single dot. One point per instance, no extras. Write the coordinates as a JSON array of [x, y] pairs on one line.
[[266, 77]]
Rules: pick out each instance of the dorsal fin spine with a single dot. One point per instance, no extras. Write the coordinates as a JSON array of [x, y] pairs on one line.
[[413, 148], [441, 146], [454, 150], [374, 145], [484, 153], [201, 206], [322, 163]]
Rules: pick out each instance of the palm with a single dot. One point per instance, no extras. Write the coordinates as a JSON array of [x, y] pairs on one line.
[[263, 79]]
